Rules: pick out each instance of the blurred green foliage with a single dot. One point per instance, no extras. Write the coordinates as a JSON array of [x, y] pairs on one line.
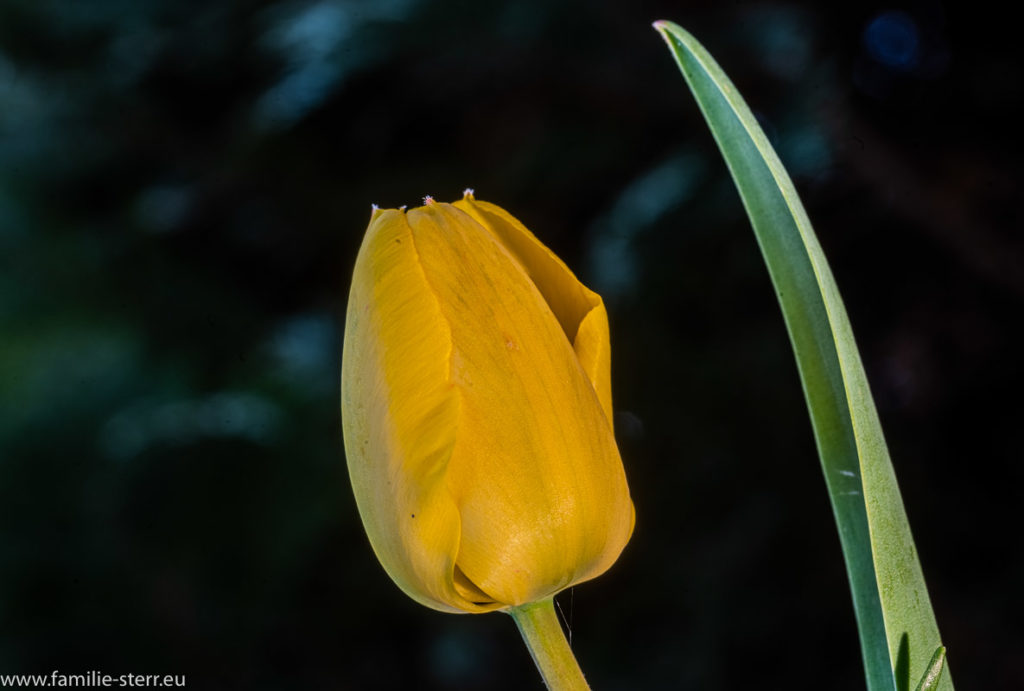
[[183, 187]]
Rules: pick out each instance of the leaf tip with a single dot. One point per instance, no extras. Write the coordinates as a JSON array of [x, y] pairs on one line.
[[672, 32], [661, 26], [930, 680]]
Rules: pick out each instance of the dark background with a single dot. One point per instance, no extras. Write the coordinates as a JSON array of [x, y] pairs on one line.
[[184, 185]]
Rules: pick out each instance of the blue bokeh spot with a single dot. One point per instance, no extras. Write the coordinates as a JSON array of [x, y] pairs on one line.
[[892, 38]]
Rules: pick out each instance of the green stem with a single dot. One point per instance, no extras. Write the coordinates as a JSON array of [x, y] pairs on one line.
[[550, 651]]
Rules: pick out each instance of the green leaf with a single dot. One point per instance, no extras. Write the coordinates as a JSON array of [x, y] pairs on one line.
[[898, 633]]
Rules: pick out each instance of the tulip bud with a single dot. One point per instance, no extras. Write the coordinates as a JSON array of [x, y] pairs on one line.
[[476, 407]]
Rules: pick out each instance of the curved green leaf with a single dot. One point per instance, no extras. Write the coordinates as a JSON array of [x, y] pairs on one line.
[[898, 633]]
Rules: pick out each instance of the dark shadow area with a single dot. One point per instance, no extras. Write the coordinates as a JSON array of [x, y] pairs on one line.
[[902, 666]]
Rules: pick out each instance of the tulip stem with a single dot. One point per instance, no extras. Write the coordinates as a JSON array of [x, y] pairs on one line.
[[543, 635]]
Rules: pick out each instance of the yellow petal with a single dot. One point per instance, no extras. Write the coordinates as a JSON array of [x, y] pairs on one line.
[[400, 416], [579, 310], [477, 411], [535, 471]]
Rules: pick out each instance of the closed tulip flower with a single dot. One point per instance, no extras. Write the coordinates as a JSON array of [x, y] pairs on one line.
[[476, 406]]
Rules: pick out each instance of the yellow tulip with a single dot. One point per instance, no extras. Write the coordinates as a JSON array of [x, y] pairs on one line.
[[476, 407]]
